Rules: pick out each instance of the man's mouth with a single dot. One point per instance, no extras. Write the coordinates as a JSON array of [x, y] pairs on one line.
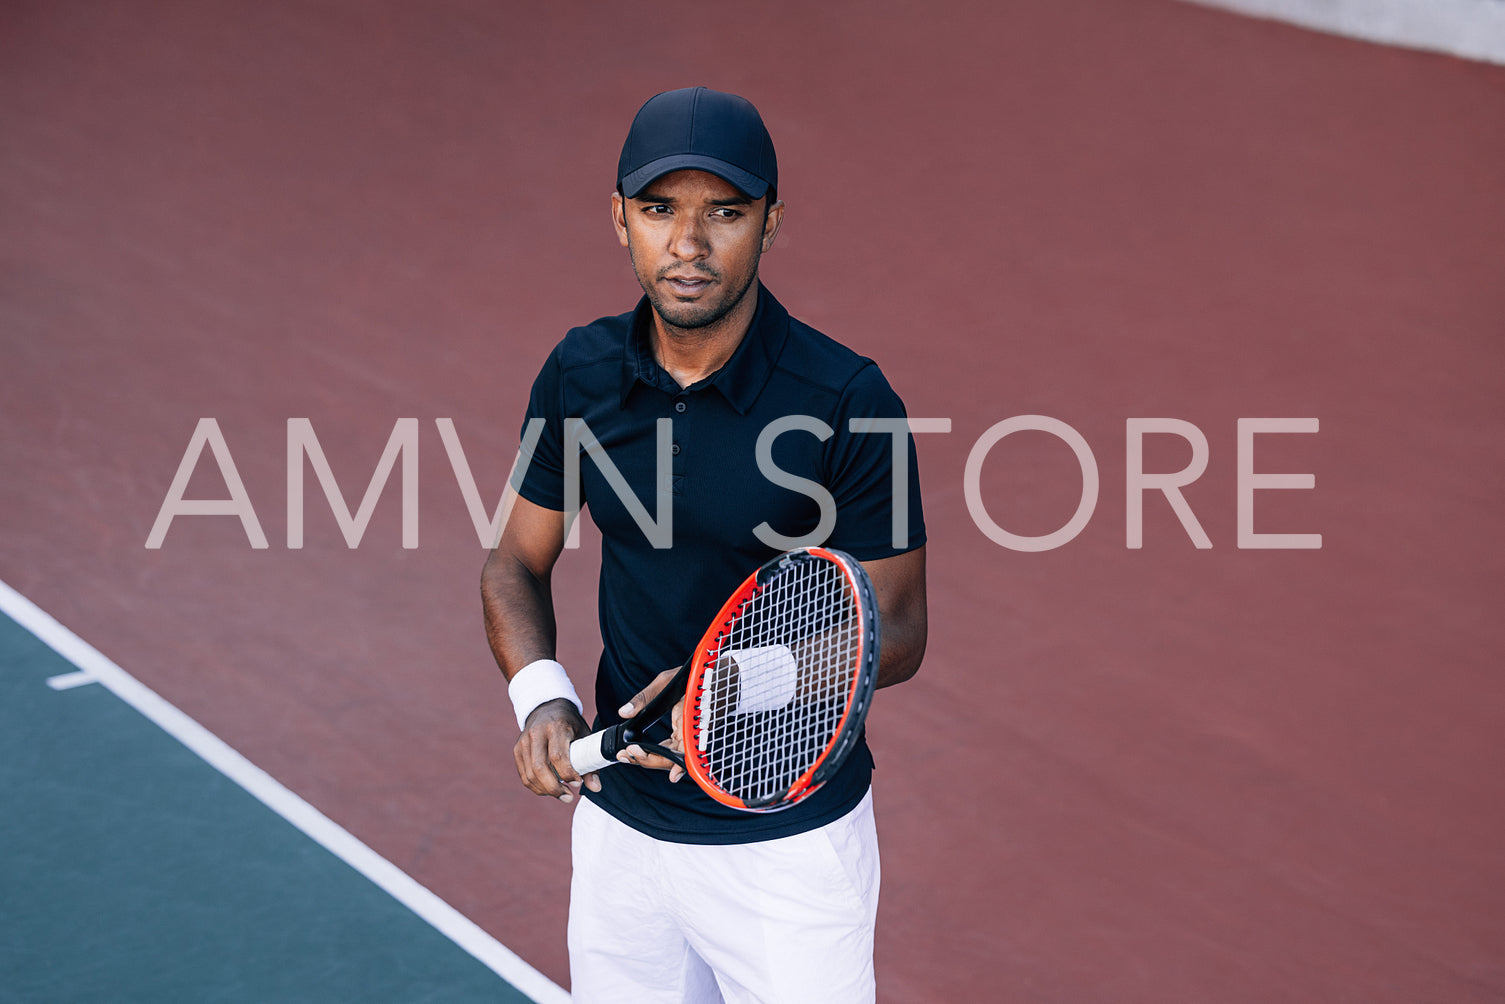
[[687, 285]]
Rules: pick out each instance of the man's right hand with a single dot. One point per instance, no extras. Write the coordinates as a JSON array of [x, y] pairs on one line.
[[543, 751]]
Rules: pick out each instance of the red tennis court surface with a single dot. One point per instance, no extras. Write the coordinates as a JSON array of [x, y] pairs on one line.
[[1124, 774]]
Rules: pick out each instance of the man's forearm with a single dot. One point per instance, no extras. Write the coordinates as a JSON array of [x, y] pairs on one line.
[[519, 611]]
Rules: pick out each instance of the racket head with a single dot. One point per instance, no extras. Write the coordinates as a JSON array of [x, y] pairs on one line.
[[781, 682]]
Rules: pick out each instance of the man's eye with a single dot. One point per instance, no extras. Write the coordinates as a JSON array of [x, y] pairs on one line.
[[658, 210], [727, 214]]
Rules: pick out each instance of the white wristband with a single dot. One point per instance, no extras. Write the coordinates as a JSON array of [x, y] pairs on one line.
[[537, 683]]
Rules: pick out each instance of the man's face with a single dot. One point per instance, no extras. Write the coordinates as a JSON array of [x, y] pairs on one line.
[[695, 242]]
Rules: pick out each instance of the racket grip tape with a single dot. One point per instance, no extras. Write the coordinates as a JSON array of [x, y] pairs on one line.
[[600, 749], [597, 750]]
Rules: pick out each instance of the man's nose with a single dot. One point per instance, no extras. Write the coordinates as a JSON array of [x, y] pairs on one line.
[[688, 240]]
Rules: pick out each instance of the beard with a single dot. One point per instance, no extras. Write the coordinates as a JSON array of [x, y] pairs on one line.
[[702, 313]]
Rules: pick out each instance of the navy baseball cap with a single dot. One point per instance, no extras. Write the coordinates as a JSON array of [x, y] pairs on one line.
[[700, 129]]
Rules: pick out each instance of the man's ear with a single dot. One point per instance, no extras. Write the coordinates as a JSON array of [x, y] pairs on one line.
[[771, 223], [619, 217]]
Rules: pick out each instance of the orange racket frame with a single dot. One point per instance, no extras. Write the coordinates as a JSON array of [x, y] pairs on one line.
[[858, 697]]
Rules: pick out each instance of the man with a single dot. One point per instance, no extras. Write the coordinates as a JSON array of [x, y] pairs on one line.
[[675, 897]]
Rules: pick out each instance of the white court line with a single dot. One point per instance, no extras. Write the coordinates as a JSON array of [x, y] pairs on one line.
[[1471, 29], [68, 681], [446, 919]]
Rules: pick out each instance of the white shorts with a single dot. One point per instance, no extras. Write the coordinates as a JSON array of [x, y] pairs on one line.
[[774, 922]]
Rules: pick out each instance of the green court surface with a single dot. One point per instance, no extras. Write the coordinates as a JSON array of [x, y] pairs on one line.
[[132, 870]]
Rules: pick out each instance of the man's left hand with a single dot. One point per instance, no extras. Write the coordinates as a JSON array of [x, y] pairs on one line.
[[635, 754]]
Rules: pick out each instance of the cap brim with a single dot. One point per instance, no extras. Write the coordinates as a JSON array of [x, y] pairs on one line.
[[749, 185]]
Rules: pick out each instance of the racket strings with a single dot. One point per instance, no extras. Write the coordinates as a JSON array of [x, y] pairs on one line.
[[776, 689]]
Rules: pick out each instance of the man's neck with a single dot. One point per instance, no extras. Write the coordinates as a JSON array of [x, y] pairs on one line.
[[689, 355]]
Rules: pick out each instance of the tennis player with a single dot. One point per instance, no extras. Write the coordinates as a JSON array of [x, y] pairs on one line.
[[675, 897]]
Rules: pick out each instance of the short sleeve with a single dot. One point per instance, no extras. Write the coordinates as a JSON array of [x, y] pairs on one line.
[[539, 474], [872, 471]]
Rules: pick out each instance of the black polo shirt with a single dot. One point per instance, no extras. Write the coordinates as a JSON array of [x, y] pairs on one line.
[[656, 601]]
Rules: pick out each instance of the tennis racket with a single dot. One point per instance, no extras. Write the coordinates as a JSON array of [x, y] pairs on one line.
[[776, 692]]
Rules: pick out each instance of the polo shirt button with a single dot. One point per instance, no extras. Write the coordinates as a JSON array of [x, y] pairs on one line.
[[674, 449], [679, 406]]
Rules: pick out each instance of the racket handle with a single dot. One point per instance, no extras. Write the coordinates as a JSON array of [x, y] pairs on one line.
[[597, 750], [600, 749]]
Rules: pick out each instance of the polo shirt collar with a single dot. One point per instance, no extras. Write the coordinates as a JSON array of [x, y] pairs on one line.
[[743, 376]]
